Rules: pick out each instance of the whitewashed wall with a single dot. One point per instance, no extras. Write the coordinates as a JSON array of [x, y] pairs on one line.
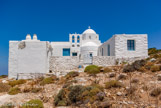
[[104, 46], [32, 58], [141, 45]]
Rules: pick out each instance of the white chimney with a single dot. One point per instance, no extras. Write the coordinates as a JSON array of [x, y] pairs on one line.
[[28, 37]]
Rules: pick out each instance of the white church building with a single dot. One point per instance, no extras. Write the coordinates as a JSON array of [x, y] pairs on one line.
[[34, 57]]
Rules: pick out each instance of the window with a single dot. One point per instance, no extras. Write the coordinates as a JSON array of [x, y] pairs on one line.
[[74, 54], [131, 45], [72, 39], [78, 45], [102, 51], [73, 45], [66, 51], [91, 55], [108, 50], [89, 37], [78, 39]]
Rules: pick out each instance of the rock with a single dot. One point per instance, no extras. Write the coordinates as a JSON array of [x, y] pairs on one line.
[[152, 59], [159, 77], [105, 104], [142, 90], [100, 95], [4, 81], [119, 93], [112, 74]]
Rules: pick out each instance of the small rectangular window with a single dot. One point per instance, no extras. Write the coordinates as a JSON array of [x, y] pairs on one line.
[[131, 45]]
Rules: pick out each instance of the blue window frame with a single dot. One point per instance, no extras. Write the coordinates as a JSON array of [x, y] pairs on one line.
[[108, 50], [66, 51], [131, 45]]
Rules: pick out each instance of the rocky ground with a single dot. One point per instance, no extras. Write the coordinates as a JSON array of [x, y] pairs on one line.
[[144, 83]]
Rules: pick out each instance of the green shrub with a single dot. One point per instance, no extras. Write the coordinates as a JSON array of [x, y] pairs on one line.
[[92, 69], [61, 98], [4, 87], [155, 92], [7, 105], [35, 103], [14, 91], [152, 51], [48, 80], [79, 93], [113, 84], [3, 76], [107, 69], [128, 68], [16, 82], [72, 74], [155, 68], [36, 90], [135, 66], [148, 65]]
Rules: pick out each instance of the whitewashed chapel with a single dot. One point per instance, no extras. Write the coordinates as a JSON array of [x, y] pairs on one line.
[[32, 56]]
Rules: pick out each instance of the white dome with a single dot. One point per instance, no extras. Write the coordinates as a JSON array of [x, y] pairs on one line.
[[89, 44], [89, 30]]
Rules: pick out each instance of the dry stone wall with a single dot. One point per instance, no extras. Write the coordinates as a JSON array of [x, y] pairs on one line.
[[60, 65], [104, 60]]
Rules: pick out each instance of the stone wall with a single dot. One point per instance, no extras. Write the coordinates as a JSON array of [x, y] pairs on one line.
[[104, 60], [60, 65]]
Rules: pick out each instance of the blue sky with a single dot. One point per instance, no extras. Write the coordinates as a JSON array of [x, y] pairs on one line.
[[53, 20]]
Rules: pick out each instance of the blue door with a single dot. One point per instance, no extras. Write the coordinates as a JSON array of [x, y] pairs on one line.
[[66, 51]]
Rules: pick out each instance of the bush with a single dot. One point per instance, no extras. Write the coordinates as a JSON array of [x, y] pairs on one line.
[[48, 80], [4, 87], [36, 90], [122, 76], [92, 69], [128, 68], [135, 66], [72, 74], [142, 69], [148, 65], [106, 70], [155, 68], [113, 83], [16, 82], [3, 76], [79, 93], [152, 51], [7, 105], [14, 91], [155, 92], [35, 103]]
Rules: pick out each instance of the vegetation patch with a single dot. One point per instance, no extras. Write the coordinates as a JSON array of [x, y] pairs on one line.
[[79, 94], [113, 84], [135, 66], [8, 105], [155, 68], [107, 69], [4, 87], [48, 80], [35, 103], [14, 91], [92, 69], [3, 76], [72, 74], [16, 82]]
